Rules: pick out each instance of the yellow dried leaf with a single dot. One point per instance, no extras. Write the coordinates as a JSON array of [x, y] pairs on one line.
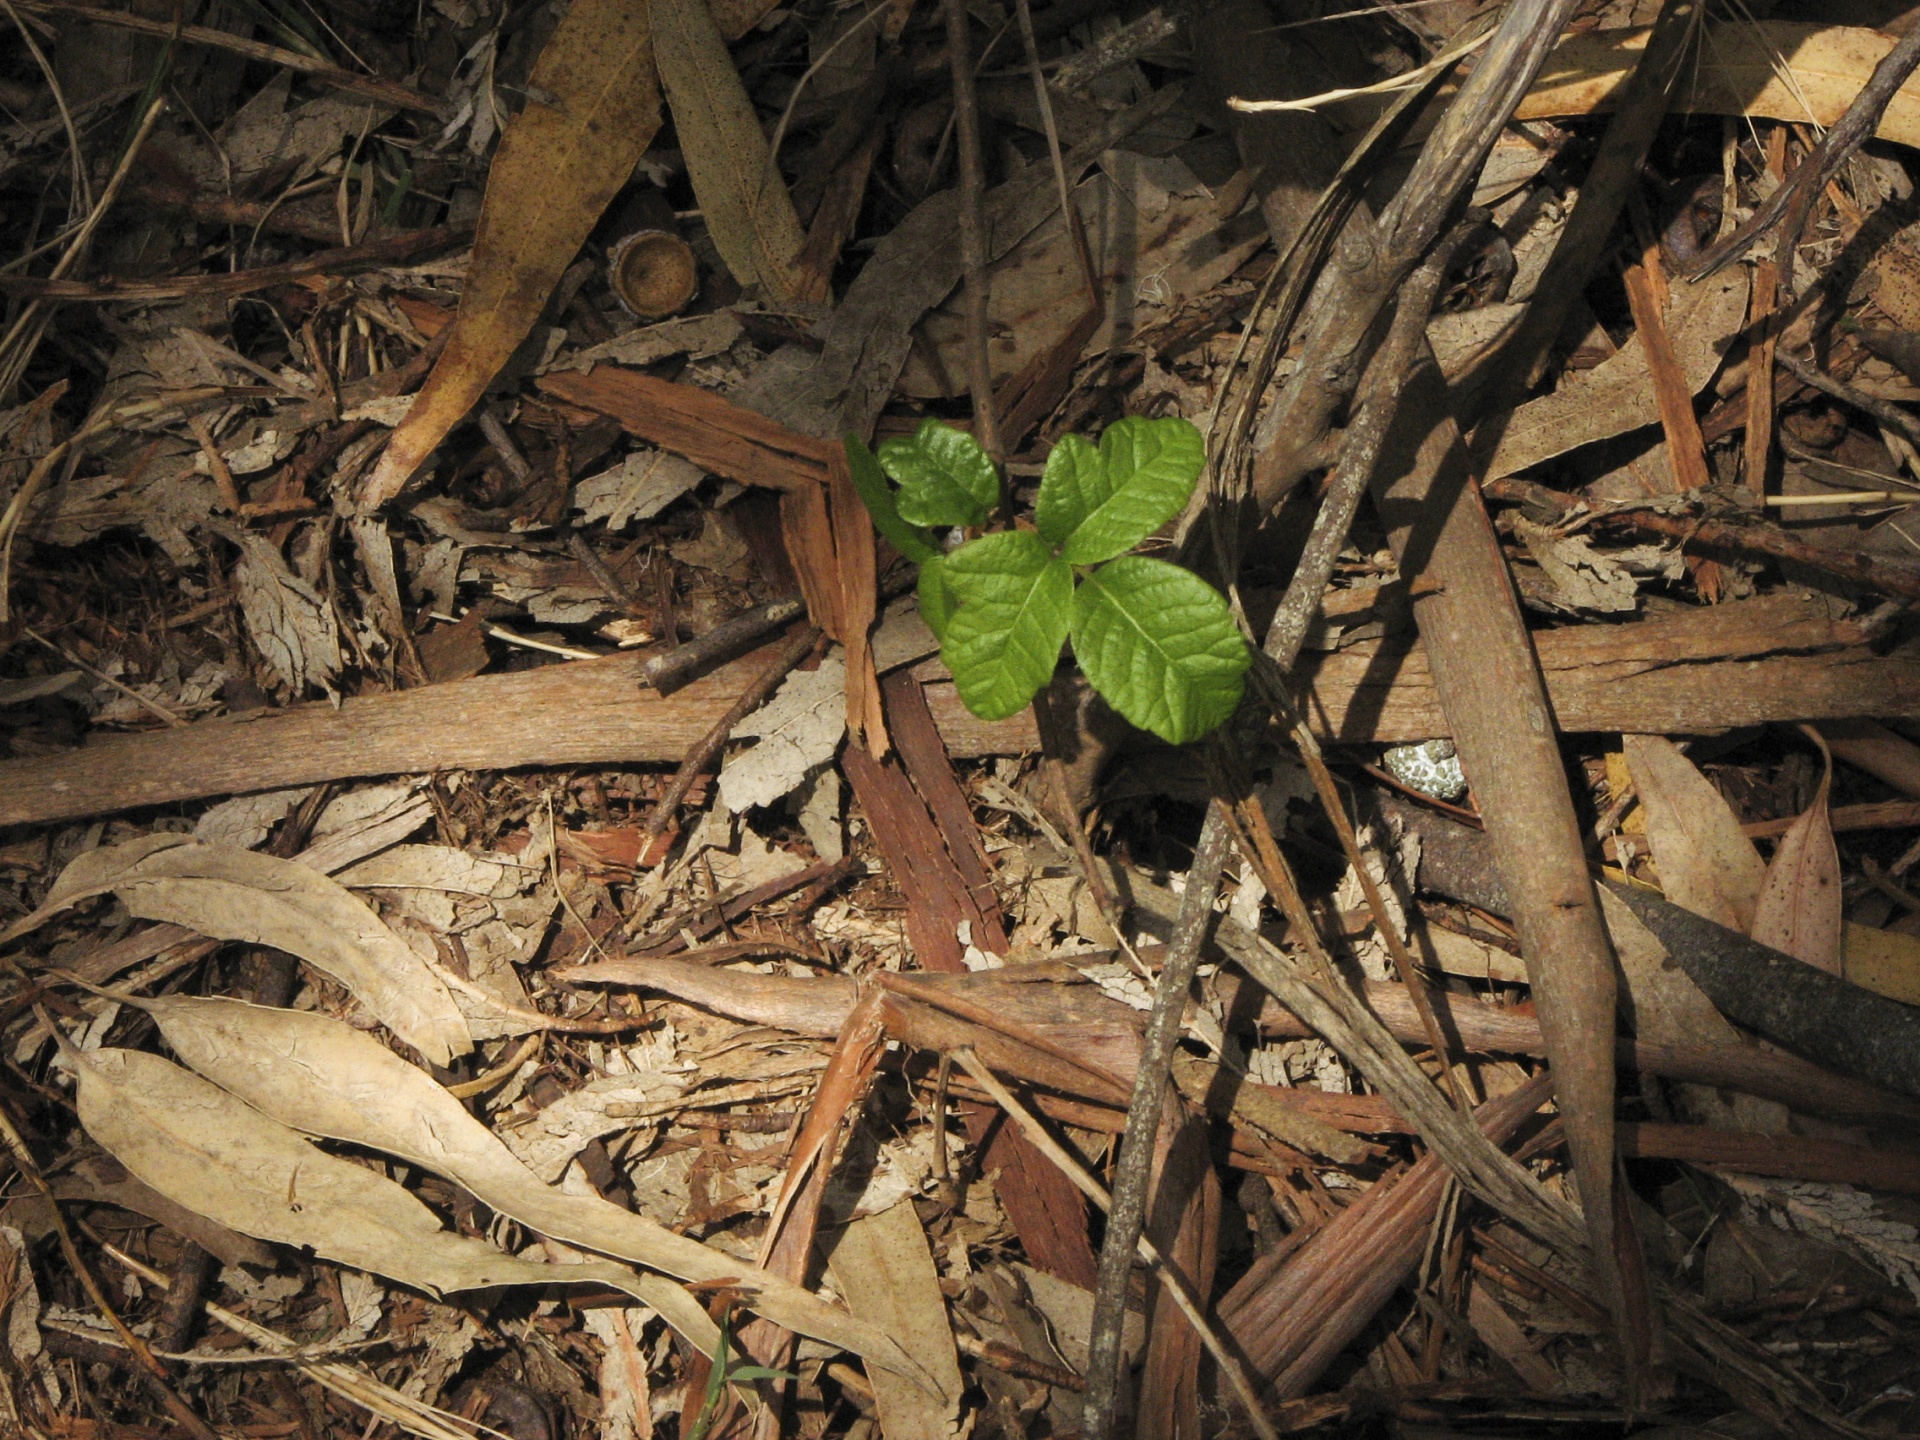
[[1800, 911], [593, 107], [322, 1076], [1771, 69], [204, 1149]]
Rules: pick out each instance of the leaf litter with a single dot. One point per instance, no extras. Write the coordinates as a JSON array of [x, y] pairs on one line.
[[361, 934]]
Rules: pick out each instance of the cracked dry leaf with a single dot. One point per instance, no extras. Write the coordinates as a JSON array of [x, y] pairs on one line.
[[239, 895], [288, 620], [798, 729], [322, 1076], [211, 1152], [593, 108], [1582, 578]]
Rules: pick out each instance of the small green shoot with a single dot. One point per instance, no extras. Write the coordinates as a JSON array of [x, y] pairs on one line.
[[723, 1374], [1156, 640]]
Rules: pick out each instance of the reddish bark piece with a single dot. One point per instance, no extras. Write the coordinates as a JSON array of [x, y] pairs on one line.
[[1046, 1211], [1292, 1313]]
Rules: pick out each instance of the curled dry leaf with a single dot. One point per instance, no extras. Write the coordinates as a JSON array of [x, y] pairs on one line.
[[289, 621], [324, 1077], [238, 895], [1706, 862], [593, 107], [1800, 909], [214, 1154]]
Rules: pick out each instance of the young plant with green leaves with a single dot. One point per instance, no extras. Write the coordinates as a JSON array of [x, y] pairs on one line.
[[1156, 640]]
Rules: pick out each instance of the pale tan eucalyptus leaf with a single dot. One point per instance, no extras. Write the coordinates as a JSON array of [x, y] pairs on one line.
[[213, 1153], [322, 1076], [234, 894]]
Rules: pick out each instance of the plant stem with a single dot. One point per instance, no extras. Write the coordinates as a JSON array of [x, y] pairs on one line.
[[973, 232]]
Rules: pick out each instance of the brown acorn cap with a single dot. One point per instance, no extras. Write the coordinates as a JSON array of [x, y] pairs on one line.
[[653, 274]]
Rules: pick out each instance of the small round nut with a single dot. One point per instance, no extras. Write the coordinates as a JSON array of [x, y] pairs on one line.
[[653, 274]]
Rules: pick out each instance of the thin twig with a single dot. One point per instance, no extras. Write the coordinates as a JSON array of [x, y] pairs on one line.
[[1886, 413], [667, 673], [703, 751], [973, 232], [1100, 1415], [1793, 201], [1176, 1285]]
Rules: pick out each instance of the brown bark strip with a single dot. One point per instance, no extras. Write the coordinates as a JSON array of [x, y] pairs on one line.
[[600, 712], [1791, 1157], [1292, 1317], [1043, 1206], [1489, 680]]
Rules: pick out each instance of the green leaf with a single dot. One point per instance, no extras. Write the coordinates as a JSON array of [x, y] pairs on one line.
[[1071, 487], [1004, 638], [945, 477], [877, 495], [936, 600], [1161, 645], [1143, 476]]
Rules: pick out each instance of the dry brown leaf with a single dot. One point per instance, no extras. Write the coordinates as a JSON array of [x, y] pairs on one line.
[[238, 895], [1706, 862], [743, 200], [216, 1155], [881, 1264], [592, 109], [1772, 69], [1618, 395], [324, 1077], [1800, 911]]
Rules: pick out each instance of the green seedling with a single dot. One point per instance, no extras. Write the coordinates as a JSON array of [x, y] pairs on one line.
[[1156, 640], [725, 1372]]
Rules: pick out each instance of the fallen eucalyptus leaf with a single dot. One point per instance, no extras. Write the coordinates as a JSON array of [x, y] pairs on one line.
[[742, 198], [322, 1076], [238, 895], [1706, 862], [1800, 910], [209, 1151], [593, 107]]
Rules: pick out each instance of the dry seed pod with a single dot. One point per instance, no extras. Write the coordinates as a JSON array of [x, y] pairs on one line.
[[653, 274]]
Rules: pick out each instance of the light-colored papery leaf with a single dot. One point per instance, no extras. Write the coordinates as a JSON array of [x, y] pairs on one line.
[[1706, 862], [798, 729], [1160, 644], [211, 1152], [289, 621], [238, 895], [877, 495], [1004, 638], [743, 200], [593, 105], [322, 1076], [1109, 500], [1800, 910], [945, 478]]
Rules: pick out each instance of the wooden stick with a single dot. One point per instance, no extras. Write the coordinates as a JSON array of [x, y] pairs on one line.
[[1659, 676]]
